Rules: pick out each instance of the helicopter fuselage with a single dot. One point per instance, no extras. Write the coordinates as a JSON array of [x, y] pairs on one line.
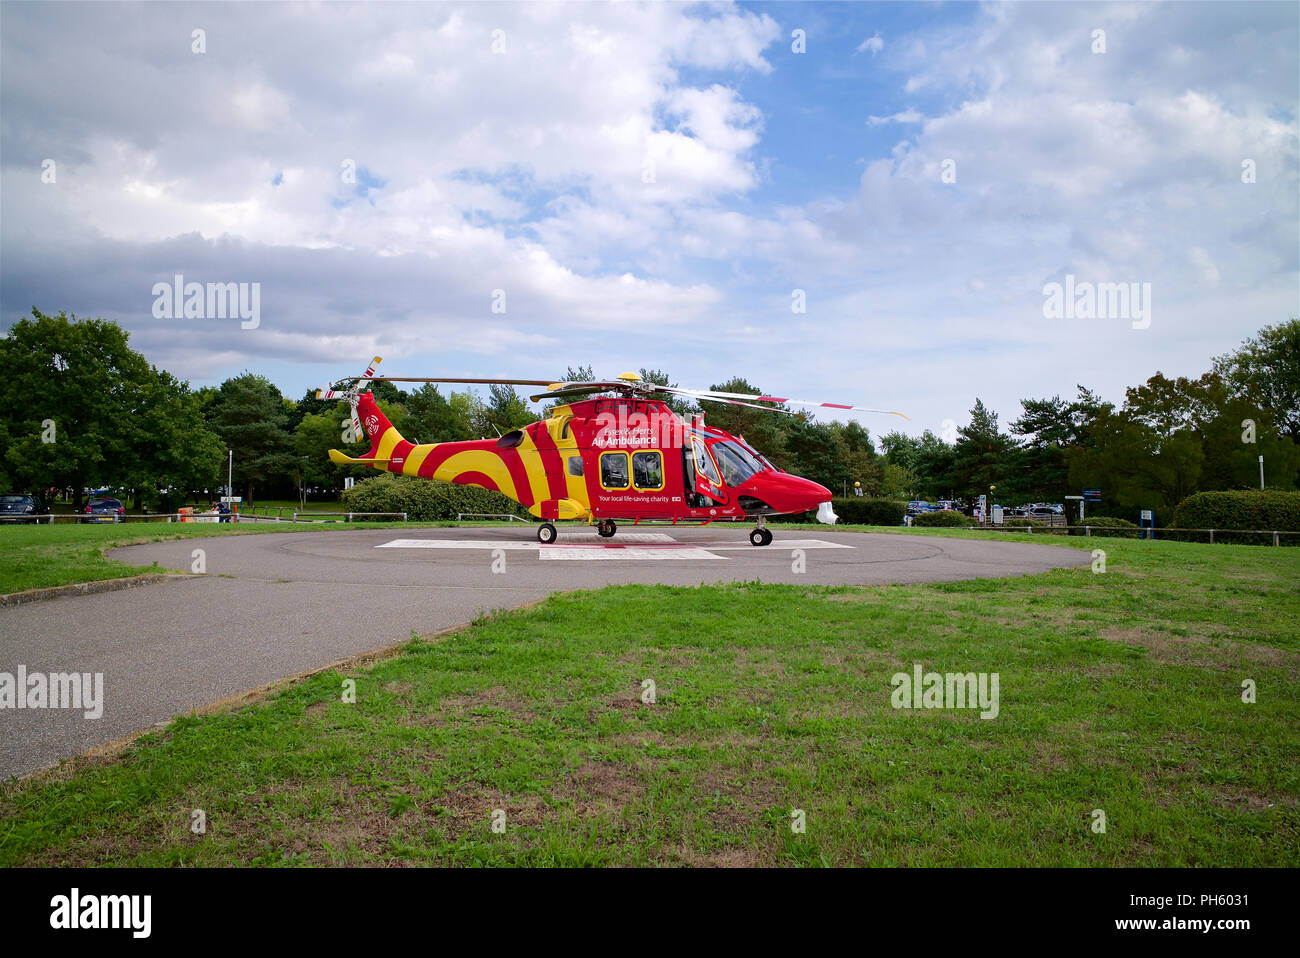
[[604, 459]]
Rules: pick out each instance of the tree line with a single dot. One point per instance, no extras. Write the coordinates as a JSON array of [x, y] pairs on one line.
[[80, 409]]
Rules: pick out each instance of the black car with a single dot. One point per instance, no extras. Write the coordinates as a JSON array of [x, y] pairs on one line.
[[103, 510], [19, 508]]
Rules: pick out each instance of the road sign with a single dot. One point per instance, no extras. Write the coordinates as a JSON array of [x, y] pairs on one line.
[[1092, 495]]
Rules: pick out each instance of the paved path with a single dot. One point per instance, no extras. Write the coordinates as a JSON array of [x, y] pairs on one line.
[[274, 605]]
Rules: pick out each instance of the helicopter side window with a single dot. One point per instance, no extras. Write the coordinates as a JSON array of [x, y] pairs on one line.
[[736, 464], [575, 465], [704, 462], [648, 470], [613, 470]]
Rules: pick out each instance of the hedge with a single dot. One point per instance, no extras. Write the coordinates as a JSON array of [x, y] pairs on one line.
[[864, 511], [1020, 522], [945, 517], [858, 511], [424, 500], [1112, 526], [1262, 509]]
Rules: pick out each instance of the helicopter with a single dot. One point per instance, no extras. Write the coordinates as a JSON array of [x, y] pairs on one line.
[[601, 458]]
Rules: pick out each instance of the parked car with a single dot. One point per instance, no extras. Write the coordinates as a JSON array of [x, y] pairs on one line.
[[917, 506], [103, 510], [1043, 512], [21, 508]]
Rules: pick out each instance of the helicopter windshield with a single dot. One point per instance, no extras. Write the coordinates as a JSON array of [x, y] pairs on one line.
[[763, 461], [736, 464]]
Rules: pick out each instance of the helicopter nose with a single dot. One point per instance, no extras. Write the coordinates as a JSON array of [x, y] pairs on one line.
[[793, 494]]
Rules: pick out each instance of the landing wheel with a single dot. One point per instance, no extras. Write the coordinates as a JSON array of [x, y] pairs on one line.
[[760, 537], [606, 528], [546, 533]]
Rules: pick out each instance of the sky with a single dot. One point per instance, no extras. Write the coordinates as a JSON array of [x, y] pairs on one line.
[[861, 203]]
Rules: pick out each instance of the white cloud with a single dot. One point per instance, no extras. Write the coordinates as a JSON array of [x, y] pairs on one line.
[[873, 43], [527, 171]]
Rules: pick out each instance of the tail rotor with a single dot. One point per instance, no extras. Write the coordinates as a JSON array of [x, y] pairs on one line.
[[352, 394]]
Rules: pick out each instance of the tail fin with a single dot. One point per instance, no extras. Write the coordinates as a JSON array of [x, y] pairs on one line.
[[368, 422], [374, 424]]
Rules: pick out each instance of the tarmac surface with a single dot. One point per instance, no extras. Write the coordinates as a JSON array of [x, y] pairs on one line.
[[274, 605]]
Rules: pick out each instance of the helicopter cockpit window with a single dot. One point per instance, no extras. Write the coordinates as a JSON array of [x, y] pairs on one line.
[[704, 463], [736, 464], [762, 460], [648, 470], [613, 470], [575, 465]]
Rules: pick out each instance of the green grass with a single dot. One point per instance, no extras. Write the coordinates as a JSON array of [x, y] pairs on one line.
[[40, 556], [1119, 692]]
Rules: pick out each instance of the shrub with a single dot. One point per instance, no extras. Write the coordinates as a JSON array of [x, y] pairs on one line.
[[1024, 523], [1262, 509], [424, 500], [858, 511], [946, 517], [1108, 526]]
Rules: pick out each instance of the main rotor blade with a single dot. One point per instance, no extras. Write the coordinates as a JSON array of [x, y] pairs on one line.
[[430, 379], [737, 402], [710, 394]]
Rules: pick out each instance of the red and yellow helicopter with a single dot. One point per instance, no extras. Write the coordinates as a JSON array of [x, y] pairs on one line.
[[601, 459]]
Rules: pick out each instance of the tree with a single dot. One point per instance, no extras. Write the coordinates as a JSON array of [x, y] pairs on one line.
[[815, 452], [1050, 428], [248, 414], [983, 456], [765, 431], [1135, 467], [1167, 406], [897, 482], [176, 449], [859, 455], [431, 417], [1265, 370], [681, 405], [1234, 440], [309, 405], [70, 393], [504, 410], [317, 434]]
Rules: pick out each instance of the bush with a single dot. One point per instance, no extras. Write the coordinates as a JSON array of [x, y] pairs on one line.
[[864, 511], [1108, 526], [857, 511], [1262, 509], [1025, 523], [946, 517], [425, 500]]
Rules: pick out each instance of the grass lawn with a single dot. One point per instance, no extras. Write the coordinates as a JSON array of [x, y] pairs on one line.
[[1119, 691], [39, 556]]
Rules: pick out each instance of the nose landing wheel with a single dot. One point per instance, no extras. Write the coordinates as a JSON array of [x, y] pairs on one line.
[[760, 537], [606, 528], [546, 533]]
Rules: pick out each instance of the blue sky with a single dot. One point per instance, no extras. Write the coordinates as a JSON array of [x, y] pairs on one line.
[[649, 184]]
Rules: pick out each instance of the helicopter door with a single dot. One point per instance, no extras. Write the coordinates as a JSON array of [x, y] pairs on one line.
[[707, 481]]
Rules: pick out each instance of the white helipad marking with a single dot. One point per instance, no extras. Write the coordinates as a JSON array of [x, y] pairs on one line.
[[631, 552], [455, 544], [645, 545], [782, 544], [568, 535]]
